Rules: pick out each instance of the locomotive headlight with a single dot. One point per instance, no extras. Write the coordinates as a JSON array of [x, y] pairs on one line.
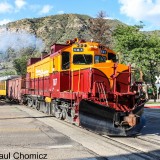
[[85, 45], [81, 45]]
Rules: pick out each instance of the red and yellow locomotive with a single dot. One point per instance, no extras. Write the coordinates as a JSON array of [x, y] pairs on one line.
[[83, 83]]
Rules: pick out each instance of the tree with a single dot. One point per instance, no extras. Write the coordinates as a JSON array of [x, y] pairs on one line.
[[20, 65], [7, 72], [138, 48], [100, 29]]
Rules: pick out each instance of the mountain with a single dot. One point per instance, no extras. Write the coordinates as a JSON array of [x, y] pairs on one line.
[[46, 31], [58, 28]]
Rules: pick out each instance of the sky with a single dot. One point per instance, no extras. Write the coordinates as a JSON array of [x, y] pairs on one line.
[[131, 12]]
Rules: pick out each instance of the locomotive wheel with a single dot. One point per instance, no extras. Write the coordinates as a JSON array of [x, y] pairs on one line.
[[58, 114], [38, 105], [47, 108], [58, 111], [30, 102], [53, 109], [44, 107], [35, 103], [63, 114]]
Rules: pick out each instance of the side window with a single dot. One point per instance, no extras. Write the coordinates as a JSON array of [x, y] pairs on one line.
[[99, 59], [112, 57], [65, 60], [53, 63]]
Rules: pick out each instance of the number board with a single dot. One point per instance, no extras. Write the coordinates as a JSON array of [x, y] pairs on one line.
[[103, 51], [77, 49]]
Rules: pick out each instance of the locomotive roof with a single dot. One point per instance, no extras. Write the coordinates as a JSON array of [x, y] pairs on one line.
[[57, 49]]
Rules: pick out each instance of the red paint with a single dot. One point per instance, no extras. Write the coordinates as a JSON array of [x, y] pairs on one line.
[[153, 107], [32, 61], [15, 87]]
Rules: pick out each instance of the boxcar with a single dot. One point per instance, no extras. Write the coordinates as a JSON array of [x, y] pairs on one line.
[[4, 89], [15, 87]]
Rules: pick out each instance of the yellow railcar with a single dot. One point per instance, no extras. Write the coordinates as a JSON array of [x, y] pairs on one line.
[[3, 88]]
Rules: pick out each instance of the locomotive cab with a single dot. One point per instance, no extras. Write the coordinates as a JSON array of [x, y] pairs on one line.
[[83, 55]]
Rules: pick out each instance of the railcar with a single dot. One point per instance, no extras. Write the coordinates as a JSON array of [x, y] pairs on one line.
[[4, 85], [16, 88], [2, 89], [83, 83]]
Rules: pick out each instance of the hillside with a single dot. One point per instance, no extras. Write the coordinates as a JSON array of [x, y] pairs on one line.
[[58, 28], [46, 30]]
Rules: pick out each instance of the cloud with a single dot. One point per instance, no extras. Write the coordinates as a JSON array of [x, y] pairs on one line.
[[20, 3], [141, 10], [46, 9], [8, 8], [60, 12], [5, 21], [34, 7], [5, 7]]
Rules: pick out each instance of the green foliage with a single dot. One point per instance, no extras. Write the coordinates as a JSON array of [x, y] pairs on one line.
[[8, 72], [20, 65], [140, 49]]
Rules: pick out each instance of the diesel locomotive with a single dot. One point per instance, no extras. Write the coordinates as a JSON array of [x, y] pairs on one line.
[[83, 83]]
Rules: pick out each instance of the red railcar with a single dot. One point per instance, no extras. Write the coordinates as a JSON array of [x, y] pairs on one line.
[[16, 88]]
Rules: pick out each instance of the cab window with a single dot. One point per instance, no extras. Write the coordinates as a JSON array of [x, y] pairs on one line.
[[112, 57], [82, 59], [53, 64], [65, 60], [99, 59]]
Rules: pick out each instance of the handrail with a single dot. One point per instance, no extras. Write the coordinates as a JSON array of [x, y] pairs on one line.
[[79, 78]]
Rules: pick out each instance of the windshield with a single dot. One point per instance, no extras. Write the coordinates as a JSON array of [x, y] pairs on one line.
[[82, 59], [99, 59]]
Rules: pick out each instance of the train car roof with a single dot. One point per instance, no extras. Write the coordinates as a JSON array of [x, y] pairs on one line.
[[4, 78]]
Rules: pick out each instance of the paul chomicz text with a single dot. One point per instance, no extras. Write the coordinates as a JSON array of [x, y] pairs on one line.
[[22, 156]]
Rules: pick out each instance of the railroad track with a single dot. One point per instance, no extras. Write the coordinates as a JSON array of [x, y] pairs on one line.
[[137, 152], [150, 140], [120, 143]]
